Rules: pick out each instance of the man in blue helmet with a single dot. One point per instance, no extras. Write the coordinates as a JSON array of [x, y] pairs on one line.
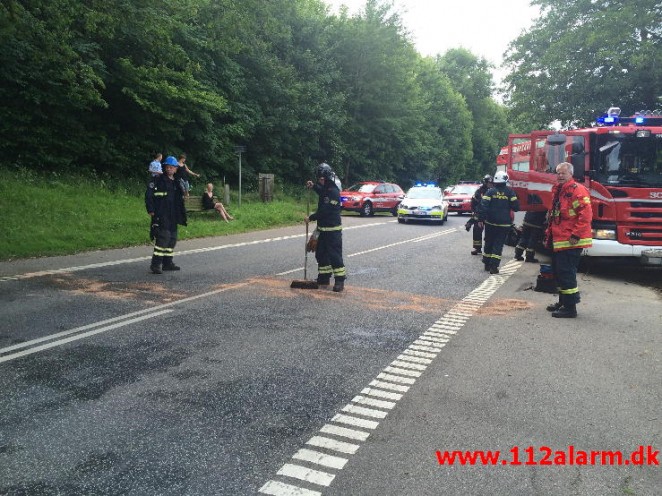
[[164, 201], [329, 244]]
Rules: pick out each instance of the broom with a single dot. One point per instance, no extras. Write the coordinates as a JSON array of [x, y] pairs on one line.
[[305, 284]]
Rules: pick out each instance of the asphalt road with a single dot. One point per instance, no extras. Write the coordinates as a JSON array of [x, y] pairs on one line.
[[221, 380]]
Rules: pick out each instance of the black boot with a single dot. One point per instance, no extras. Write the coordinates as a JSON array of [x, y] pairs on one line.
[[494, 269], [169, 265], [323, 281], [476, 251], [566, 312], [531, 257], [518, 254], [555, 306], [339, 285], [155, 266]]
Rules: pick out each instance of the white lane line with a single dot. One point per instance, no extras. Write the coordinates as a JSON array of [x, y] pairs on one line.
[[276, 488], [409, 365], [79, 268], [332, 444], [413, 361], [382, 394], [413, 240], [356, 422], [126, 318], [60, 342], [336, 430], [306, 474], [362, 400], [320, 458]]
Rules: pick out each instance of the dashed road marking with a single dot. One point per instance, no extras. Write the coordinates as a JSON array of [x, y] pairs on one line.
[[390, 385]]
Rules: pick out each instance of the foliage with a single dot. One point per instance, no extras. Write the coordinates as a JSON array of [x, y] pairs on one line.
[[97, 86], [582, 57]]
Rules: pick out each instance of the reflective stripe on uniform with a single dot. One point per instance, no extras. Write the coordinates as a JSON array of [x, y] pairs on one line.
[[580, 244], [569, 291], [328, 229], [339, 272], [327, 269]]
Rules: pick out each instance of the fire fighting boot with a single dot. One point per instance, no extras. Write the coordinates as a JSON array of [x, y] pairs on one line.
[[494, 269], [155, 266], [566, 312], [531, 257], [169, 265], [339, 285], [554, 306], [477, 251], [323, 281], [518, 254]]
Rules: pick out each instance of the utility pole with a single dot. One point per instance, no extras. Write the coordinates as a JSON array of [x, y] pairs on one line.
[[239, 149]]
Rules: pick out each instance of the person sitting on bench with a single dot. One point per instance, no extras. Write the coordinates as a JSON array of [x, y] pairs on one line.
[[208, 203]]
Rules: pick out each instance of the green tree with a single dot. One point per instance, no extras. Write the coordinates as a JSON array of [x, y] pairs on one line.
[[472, 78], [582, 57]]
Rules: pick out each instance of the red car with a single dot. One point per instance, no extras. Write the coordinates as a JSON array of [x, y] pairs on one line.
[[369, 197], [459, 198]]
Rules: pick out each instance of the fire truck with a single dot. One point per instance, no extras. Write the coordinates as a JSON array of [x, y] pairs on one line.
[[619, 160]]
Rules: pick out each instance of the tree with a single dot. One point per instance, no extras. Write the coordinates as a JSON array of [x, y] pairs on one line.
[[582, 57]]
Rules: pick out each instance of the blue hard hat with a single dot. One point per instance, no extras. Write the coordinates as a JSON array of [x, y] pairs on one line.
[[171, 161]]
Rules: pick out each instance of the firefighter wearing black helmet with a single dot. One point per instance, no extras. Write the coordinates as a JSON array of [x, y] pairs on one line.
[[478, 226], [329, 244]]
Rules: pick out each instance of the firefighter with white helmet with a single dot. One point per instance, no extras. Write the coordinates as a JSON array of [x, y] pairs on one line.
[[329, 244], [164, 201], [496, 211]]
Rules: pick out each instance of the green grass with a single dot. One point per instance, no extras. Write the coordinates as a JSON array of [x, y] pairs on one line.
[[58, 215]]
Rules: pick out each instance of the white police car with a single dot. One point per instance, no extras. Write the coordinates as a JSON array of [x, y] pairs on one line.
[[423, 202]]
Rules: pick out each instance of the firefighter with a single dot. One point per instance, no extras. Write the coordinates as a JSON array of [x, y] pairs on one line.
[[164, 201], [477, 226], [568, 234], [495, 211], [329, 244], [532, 231]]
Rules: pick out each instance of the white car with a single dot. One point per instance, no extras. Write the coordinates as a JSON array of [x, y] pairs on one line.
[[424, 203]]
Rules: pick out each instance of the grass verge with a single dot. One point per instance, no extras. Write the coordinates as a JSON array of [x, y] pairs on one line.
[[60, 215]]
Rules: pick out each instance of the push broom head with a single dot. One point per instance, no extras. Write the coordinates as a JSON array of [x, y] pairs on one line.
[[304, 285]]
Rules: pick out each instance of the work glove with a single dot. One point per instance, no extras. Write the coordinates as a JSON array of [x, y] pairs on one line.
[[153, 230], [311, 246]]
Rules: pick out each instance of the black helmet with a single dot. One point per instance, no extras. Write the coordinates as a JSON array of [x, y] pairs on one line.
[[487, 179], [324, 170]]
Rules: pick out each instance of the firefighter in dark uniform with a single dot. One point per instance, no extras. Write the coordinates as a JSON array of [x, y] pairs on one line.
[[568, 234], [495, 211], [329, 244], [477, 226], [532, 230], [164, 201]]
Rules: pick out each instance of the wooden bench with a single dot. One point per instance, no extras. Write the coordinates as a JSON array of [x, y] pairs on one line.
[[194, 204]]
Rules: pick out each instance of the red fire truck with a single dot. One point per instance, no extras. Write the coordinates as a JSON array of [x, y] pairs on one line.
[[620, 163]]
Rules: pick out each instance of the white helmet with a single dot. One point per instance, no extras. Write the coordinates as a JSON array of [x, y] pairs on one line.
[[500, 178]]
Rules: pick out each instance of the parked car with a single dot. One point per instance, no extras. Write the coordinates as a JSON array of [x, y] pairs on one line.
[[459, 198], [369, 197], [424, 203]]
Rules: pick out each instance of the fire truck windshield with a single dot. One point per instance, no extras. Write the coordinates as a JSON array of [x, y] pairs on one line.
[[626, 160]]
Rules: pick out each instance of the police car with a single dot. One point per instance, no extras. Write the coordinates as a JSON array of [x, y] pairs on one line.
[[423, 202]]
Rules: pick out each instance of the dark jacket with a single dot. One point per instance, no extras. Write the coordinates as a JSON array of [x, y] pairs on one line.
[[328, 206], [497, 204], [165, 198]]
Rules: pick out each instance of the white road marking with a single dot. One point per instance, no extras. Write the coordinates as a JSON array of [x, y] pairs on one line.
[[344, 432], [387, 405], [381, 394], [320, 458], [366, 412], [60, 342], [332, 444], [306, 474], [276, 488]]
